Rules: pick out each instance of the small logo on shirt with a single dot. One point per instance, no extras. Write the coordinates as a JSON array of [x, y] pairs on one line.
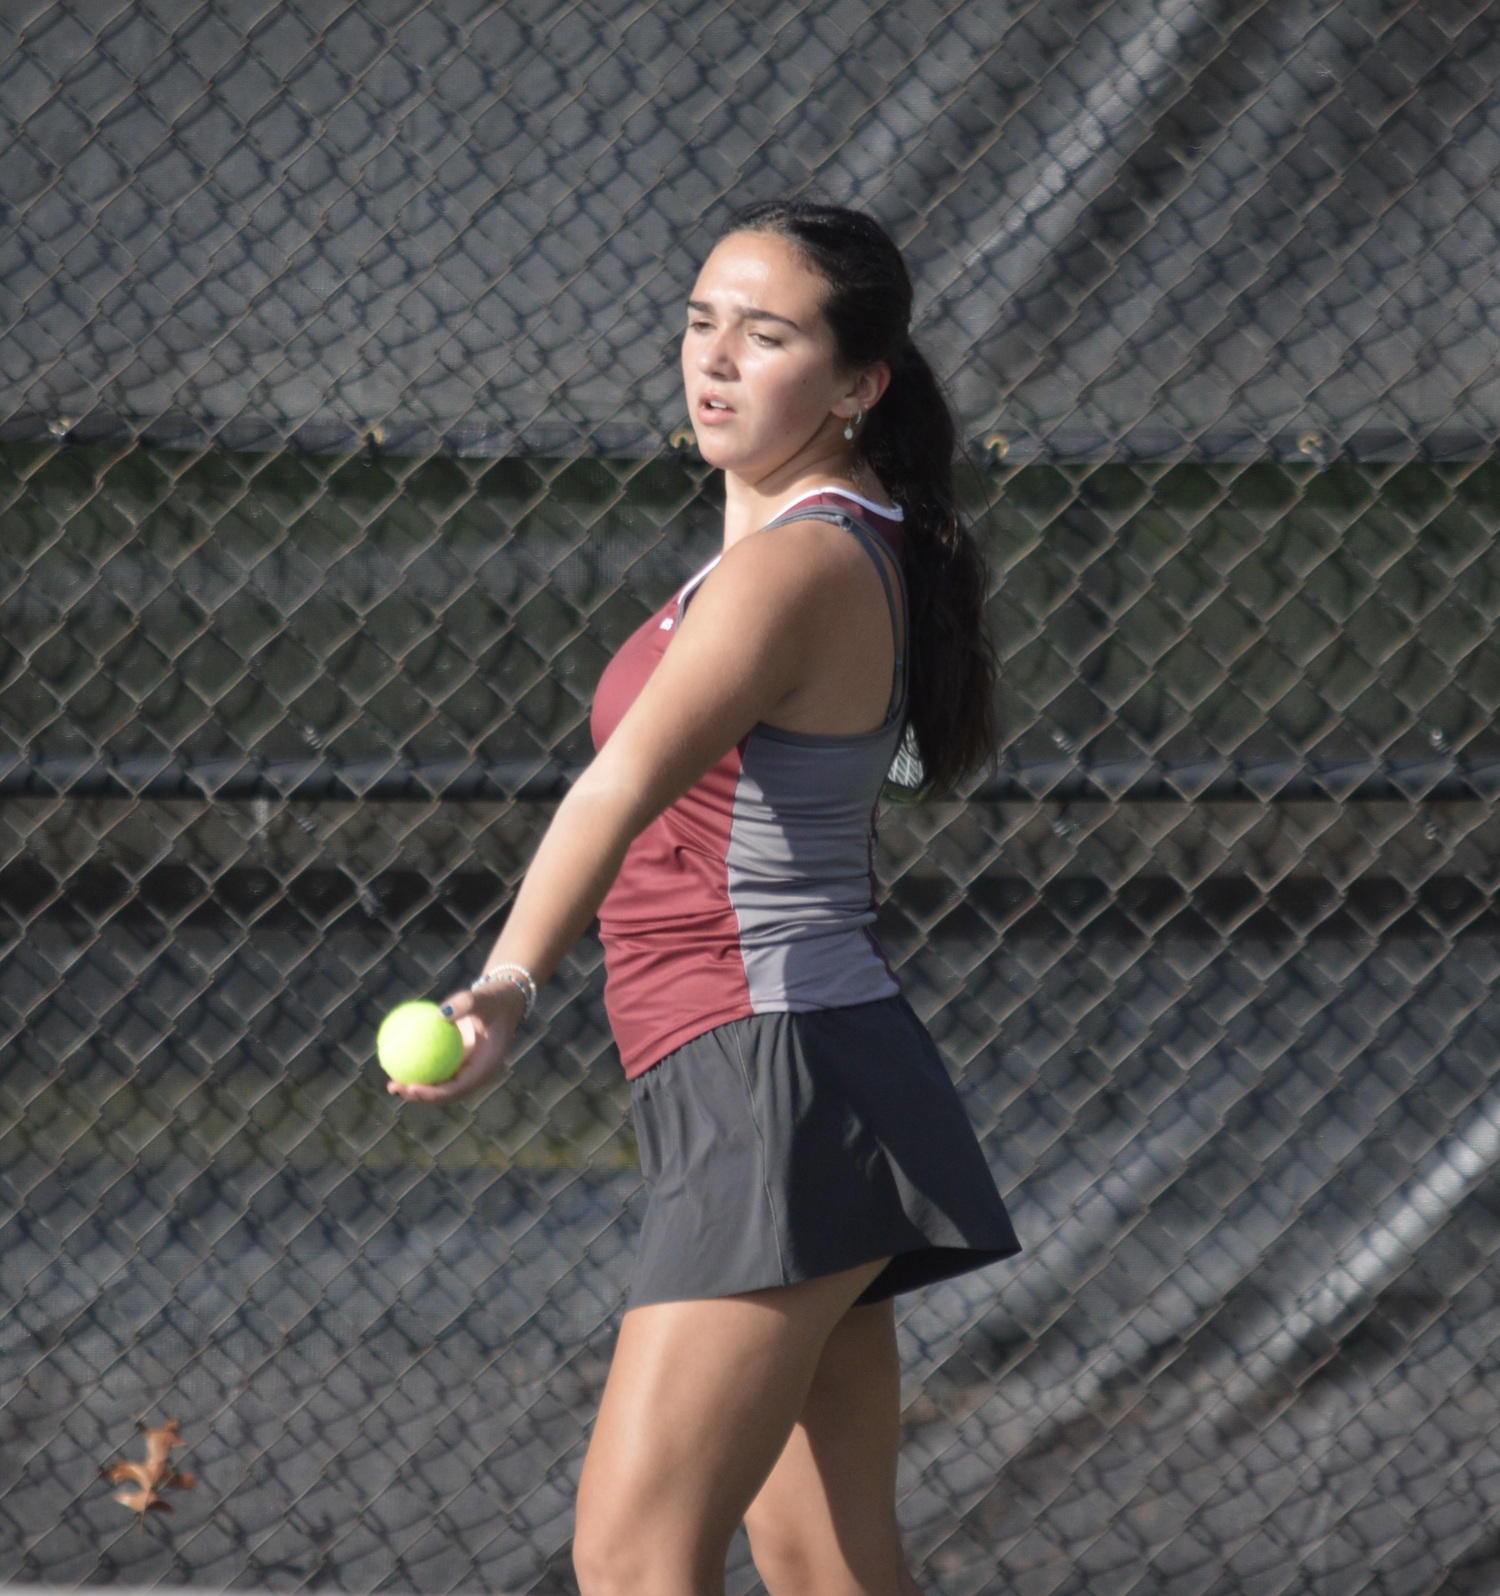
[[666, 625]]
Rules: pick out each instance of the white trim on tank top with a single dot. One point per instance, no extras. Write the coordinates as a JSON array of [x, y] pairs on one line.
[[691, 583], [892, 512]]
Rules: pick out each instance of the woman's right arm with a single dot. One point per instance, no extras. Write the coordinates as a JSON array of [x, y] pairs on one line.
[[743, 646]]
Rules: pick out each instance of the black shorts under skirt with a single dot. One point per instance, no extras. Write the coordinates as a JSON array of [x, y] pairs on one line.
[[785, 1146]]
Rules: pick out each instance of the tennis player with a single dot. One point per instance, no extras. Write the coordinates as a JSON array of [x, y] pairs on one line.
[[805, 1153]]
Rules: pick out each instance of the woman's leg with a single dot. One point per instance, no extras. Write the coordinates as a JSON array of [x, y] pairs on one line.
[[700, 1400], [825, 1520]]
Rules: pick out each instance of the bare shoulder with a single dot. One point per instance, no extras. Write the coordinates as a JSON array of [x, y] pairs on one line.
[[812, 560]]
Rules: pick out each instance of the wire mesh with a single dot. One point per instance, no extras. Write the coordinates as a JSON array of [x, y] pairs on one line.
[[335, 420]]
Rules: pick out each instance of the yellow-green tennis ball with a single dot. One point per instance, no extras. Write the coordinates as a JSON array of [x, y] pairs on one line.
[[417, 1044]]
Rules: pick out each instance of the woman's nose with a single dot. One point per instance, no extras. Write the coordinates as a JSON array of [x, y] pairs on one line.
[[713, 355]]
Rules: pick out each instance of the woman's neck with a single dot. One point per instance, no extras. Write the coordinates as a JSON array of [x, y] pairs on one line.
[[748, 506]]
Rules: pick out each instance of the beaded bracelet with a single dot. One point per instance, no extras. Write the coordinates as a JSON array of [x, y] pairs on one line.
[[516, 975]]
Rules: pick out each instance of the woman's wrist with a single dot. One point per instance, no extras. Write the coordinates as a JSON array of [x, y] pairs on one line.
[[507, 973]]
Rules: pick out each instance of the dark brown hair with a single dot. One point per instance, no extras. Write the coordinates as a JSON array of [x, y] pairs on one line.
[[908, 441]]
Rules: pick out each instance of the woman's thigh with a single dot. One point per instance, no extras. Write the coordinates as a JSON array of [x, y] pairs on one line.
[[825, 1519], [700, 1400]]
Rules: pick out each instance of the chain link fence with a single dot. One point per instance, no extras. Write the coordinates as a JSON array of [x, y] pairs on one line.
[[337, 405]]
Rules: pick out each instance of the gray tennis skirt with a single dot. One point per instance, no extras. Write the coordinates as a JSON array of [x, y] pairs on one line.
[[785, 1146]]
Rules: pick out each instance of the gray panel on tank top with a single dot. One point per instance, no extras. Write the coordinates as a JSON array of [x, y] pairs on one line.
[[799, 868]]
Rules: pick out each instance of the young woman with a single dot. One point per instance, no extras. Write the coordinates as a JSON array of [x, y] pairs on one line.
[[805, 1152]]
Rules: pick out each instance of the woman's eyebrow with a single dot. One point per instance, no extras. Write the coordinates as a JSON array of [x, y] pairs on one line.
[[750, 313]]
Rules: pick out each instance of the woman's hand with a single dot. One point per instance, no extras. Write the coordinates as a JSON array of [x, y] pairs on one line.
[[487, 1022]]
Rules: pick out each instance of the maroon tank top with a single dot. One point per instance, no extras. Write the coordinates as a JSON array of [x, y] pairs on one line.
[[755, 891]]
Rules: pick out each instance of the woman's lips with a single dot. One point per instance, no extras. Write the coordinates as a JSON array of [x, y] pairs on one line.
[[713, 414]]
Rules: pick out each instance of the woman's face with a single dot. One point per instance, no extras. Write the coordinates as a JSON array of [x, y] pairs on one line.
[[763, 383]]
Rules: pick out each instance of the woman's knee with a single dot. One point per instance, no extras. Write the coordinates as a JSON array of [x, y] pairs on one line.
[[606, 1562], [797, 1558], [614, 1555], [783, 1559]]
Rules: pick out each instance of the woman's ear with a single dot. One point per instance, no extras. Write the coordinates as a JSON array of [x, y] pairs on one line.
[[872, 382], [864, 391]]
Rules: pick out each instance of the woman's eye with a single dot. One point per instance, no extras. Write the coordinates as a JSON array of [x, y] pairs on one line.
[[766, 341]]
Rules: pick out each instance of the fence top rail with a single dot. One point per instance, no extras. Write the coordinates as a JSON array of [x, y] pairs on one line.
[[1064, 779]]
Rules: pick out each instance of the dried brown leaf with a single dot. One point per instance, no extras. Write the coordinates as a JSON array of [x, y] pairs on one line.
[[153, 1474]]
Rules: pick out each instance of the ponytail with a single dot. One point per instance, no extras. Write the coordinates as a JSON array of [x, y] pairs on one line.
[[908, 441]]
